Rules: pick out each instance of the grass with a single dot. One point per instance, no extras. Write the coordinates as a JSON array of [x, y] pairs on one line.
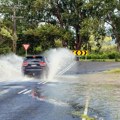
[[116, 70], [101, 60], [78, 114]]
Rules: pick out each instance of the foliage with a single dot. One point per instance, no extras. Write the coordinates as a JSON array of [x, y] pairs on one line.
[[67, 22], [5, 39], [44, 37], [71, 14], [47, 34], [110, 55], [103, 44], [117, 70]]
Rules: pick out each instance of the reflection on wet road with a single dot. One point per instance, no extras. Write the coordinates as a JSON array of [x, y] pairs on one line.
[[103, 90], [34, 100]]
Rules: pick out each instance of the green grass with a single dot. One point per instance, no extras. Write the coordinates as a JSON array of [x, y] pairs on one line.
[[117, 70], [101, 60], [78, 114]]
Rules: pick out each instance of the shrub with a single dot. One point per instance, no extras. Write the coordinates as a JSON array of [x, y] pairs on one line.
[[112, 55]]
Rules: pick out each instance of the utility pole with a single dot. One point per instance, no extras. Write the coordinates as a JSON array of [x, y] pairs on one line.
[[14, 17], [15, 38], [14, 30]]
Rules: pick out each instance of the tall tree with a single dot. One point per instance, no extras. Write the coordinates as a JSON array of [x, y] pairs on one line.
[[109, 11], [68, 14]]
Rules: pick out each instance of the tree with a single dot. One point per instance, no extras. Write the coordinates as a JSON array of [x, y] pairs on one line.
[[68, 14], [80, 18], [5, 39], [44, 37], [109, 12], [12, 10]]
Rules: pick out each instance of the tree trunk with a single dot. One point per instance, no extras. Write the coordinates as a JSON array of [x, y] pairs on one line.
[[118, 46], [78, 42], [58, 15], [78, 38], [14, 46], [118, 42]]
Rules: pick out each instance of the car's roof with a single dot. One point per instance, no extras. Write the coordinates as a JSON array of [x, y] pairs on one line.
[[34, 57]]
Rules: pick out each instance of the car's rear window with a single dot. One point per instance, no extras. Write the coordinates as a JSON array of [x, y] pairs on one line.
[[40, 58]]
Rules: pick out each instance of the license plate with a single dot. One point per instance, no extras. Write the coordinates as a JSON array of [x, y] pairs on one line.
[[33, 65]]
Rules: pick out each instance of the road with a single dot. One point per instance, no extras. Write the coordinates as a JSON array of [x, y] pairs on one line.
[[40, 100], [19, 102], [92, 67]]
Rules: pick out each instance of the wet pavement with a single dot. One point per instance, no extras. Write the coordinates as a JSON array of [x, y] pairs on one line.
[[68, 94]]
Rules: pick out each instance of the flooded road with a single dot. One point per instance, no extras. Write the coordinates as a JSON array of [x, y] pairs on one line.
[[96, 94], [103, 91], [71, 90]]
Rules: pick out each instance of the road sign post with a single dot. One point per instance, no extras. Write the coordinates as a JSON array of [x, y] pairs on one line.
[[26, 46], [26, 52]]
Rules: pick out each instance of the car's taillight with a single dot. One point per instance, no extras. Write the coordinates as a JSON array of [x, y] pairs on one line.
[[42, 64], [25, 64]]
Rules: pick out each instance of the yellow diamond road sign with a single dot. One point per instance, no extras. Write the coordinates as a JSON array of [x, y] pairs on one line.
[[80, 52]]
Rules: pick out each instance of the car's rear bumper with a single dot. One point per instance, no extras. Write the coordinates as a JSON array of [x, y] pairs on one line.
[[33, 72]]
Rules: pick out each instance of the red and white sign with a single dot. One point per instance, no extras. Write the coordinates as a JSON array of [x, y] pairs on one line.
[[26, 46]]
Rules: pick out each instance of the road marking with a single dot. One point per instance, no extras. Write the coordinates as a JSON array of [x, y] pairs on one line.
[[40, 82], [65, 70], [44, 82], [4, 91], [86, 108], [27, 92], [22, 91]]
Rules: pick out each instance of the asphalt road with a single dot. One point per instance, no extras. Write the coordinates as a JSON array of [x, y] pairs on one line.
[[20, 101], [34, 100], [91, 67]]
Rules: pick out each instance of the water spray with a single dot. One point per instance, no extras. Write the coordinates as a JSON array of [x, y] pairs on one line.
[[59, 61]]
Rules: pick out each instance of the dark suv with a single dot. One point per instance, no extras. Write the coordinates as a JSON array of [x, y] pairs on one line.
[[35, 65]]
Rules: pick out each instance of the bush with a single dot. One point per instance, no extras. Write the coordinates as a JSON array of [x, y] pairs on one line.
[[112, 55], [5, 50]]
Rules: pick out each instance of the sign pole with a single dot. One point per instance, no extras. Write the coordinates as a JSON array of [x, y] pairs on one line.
[[26, 53], [26, 46]]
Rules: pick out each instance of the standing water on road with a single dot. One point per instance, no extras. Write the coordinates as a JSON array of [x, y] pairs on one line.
[[98, 92], [97, 95]]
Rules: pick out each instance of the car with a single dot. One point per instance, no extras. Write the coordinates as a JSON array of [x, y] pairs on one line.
[[35, 65]]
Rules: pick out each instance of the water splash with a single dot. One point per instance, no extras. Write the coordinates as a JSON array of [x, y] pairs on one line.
[[10, 65], [10, 68], [58, 59]]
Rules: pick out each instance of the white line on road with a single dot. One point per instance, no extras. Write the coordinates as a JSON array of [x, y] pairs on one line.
[[65, 70], [40, 82], [22, 91], [4, 91], [86, 108], [44, 82], [27, 92]]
